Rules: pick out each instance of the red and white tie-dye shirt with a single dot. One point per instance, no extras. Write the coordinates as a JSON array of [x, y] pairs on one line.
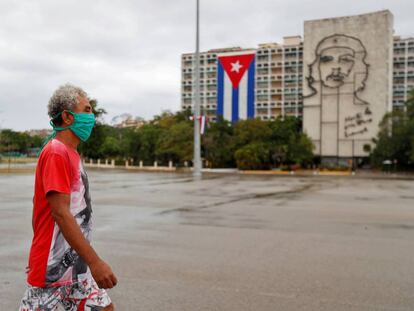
[[52, 262]]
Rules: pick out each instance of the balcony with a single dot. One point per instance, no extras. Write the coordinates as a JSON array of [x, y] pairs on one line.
[[263, 71], [261, 59], [261, 86], [262, 91], [291, 80], [262, 97], [262, 111], [276, 78], [277, 65], [263, 104], [276, 97], [277, 59]]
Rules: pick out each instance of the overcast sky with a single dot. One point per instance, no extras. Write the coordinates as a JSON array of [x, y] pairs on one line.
[[126, 54]]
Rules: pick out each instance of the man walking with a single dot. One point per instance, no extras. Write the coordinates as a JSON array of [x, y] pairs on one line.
[[63, 267]]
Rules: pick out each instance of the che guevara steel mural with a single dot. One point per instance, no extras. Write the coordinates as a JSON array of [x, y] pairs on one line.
[[340, 69]]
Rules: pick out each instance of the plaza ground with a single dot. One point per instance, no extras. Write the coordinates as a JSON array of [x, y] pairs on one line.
[[235, 242]]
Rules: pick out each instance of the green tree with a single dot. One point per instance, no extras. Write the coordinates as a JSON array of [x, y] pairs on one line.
[[148, 137], [111, 147], [218, 144], [8, 141], [250, 131], [289, 145], [252, 144], [35, 141], [300, 149], [253, 156], [410, 105], [284, 132], [16, 142], [130, 143], [176, 142], [395, 140]]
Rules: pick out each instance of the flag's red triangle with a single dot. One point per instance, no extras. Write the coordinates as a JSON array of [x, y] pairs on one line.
[[235, 66]]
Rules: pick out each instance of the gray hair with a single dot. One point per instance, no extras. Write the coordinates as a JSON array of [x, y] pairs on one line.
[[66, 97]]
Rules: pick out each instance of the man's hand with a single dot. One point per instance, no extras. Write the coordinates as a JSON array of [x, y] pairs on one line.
[[102, 274]]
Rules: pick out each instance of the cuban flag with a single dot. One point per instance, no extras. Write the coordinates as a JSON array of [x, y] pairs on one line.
[[235, 86]]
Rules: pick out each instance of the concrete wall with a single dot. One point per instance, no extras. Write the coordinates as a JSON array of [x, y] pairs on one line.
[[347, 84]]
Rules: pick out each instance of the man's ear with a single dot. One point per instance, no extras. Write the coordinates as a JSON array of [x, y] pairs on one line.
[[67, 118]]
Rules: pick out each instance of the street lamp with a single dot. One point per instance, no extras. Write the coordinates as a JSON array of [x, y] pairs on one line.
[[197, 145]]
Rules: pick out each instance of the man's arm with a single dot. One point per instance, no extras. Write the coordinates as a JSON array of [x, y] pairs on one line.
[[101, 272]]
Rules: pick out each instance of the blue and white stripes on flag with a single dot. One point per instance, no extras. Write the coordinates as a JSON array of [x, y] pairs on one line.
[[236, 87]]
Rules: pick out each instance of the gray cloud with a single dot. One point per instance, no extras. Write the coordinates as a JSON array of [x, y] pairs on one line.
[[127, 53]]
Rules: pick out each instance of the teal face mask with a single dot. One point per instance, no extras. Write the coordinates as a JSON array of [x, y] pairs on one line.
[[82, 126]]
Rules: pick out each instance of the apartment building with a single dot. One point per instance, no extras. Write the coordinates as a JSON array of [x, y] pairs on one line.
[[403, 73], [278, 79]]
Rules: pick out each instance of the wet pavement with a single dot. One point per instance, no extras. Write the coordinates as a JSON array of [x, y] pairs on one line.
[[234, 242]]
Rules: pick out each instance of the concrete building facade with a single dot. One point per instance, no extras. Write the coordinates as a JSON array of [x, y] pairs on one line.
[[347, 82]]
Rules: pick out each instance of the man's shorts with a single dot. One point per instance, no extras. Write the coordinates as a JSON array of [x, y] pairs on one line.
[[84, 296]]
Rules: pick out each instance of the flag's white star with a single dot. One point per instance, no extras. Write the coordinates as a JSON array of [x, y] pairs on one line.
[[236, 66]]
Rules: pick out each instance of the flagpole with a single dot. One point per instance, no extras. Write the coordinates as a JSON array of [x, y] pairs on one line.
[[197, 147]]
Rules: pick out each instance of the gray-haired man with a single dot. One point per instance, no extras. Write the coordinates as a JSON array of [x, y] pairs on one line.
[[63, 267]]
